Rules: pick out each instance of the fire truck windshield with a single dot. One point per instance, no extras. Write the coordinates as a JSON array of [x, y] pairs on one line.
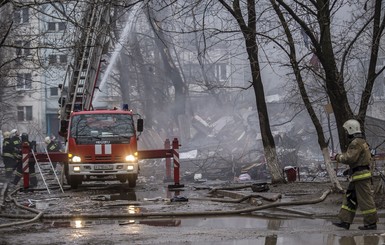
[[101, 126]]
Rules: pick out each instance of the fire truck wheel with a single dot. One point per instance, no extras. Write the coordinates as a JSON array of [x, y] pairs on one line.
[[132, 180], [122, 178], [75, 181], [66, 173]]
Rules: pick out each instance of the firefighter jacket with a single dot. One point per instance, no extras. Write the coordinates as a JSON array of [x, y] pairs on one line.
[[53, 147], [358, 158], [8, 148], [16, 142]]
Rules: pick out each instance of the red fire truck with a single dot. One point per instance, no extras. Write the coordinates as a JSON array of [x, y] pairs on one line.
[[102, 143]]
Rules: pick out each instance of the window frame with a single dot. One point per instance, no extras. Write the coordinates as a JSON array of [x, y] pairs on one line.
[[21, 15], [24, 81], [56, 26], [24, 113], [57, 59], [56, 94], [22, 48]]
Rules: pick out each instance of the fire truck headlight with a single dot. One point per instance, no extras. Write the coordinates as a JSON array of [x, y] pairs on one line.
[[77, 169], [76, 159], [130, 158], [130, 168]]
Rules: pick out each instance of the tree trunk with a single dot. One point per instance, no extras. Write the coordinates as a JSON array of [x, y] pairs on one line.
[[249, 32], [305, 98]]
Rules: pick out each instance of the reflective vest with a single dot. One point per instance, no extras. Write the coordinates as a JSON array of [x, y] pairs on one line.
[[8, 148]]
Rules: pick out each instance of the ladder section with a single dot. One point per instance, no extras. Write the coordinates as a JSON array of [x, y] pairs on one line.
[[37, 164], [82, 81]]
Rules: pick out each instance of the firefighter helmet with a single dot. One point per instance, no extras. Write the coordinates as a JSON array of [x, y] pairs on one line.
[[6, 134], [24, 137], [352, 126], [47, 140], [13, 132]]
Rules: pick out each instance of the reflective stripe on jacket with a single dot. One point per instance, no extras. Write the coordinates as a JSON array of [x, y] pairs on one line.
[[361, 175]]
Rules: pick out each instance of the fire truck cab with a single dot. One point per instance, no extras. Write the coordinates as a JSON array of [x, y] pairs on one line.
[[102, 143]]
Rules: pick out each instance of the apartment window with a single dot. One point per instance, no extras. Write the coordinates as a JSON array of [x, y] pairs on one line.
[[21, 16], [193, 71], [22, 48], [57, 59], [51, 26], [56, 26], [221, 71], [52, 59], [217, 71], [63, 59], [62, 26], [24, 81], [54, 91], [24, 113]]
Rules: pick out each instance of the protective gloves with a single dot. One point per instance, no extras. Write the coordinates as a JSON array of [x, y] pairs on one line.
[[337, 157]]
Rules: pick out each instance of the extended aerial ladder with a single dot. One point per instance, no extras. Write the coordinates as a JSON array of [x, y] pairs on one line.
[[82, 80], [80, 83]]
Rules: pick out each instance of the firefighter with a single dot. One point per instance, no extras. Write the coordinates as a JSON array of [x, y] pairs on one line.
[[16, 143], [8, 156], [31, 164], [52, 146], [359, 192]]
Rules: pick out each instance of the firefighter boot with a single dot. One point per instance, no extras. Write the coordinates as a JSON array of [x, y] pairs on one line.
[[17, 178], [368, 227], [33, 181], [344, 225]]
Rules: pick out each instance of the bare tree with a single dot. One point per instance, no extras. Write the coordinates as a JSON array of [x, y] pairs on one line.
[[315, 18], [249, 29], [292, 55]]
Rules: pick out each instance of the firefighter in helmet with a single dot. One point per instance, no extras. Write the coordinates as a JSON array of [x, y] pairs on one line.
[[359, 192], [52, 146], [8, 156], [31, 164], [16, 143], [15, 138]]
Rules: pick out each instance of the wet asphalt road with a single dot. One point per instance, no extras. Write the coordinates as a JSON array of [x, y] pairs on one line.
[[99, 213]]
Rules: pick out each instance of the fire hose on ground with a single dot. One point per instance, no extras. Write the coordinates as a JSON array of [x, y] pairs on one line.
[[31, 219], [154, 214]]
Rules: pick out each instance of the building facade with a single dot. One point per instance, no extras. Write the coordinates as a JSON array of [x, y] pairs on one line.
[[38, 50]]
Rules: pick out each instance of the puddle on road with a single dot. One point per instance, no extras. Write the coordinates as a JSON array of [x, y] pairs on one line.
[[127, 196], [267, 231], [310, 234], [312, 239], [285, 232]]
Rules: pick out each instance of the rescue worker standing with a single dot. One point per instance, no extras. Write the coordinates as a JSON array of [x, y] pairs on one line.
[[8, 156], [52, 146], [359, 192], [31, 164], [16, 143]]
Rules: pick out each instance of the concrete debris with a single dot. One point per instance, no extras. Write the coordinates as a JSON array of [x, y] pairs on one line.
[[260, 187], [197, 177], [188, 155], [179, 199], [244, 177], [154, 199]]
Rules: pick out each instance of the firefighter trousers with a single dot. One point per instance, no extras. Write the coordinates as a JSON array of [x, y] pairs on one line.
[[10, 166], [365, 202], [19, 174]]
